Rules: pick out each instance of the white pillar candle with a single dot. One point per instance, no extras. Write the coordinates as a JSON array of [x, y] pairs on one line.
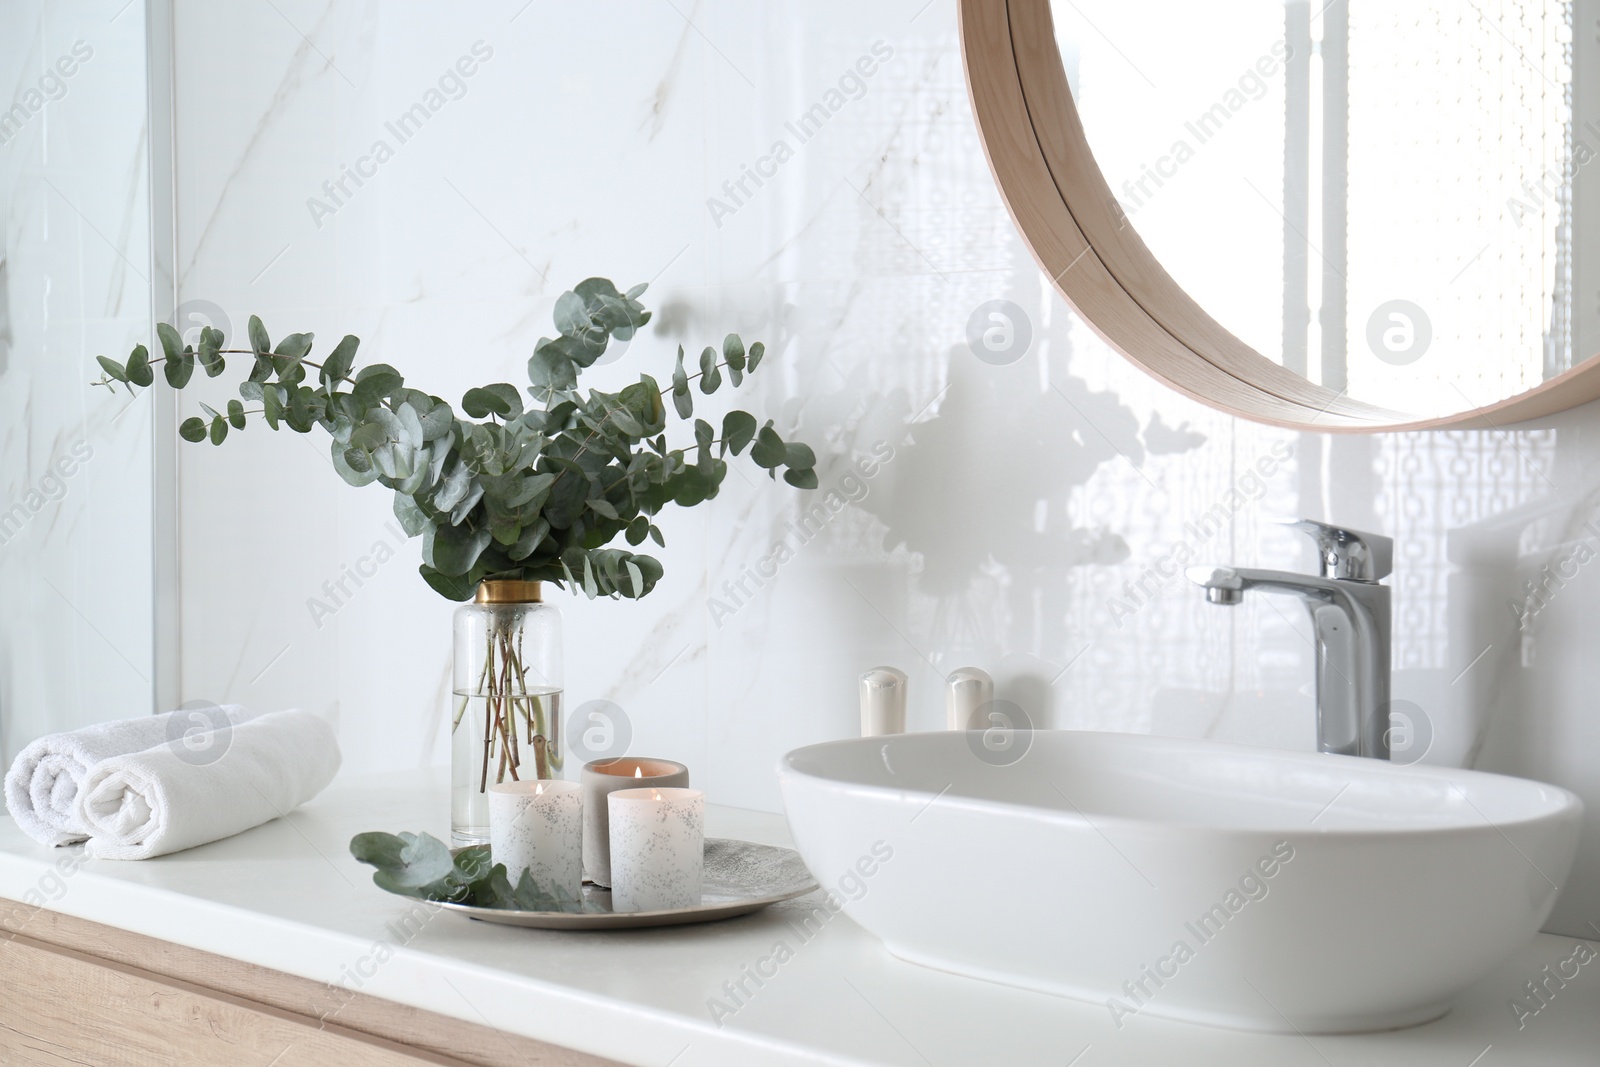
[[883, 702], [538, 826], [657, 848], [966, 690], [606, 776]]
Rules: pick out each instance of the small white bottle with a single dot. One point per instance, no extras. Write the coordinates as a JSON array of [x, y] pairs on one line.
[[883, 702], [966, 690]]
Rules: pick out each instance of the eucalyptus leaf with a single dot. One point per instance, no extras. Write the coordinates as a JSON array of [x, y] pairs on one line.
[[550, 370], [799, 455], [392, 461], [259, 343], [271, 404], [733, 356], [294, 348], [498, 892], [451, 587], [411, 431], [171, 341], [769, 451], [529, 540], [385, 426], [139, 372], [364, 474], [501, 399], [418, 460], [625, 422], [376, 382], [438, 421], [568, 493], [179, 365], [682, 401], [210, 356], [413, 520], [454, 489], [113, 369], [337, 366], [738, 430], [571, 314], [441, 455], [710, 376], [409, 860], [464, 506], [534, 487], [452, 550]]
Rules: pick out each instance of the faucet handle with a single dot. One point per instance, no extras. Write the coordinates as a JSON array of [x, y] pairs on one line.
[[1348, 554]]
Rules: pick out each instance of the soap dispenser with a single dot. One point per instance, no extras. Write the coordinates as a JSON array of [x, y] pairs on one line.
[[883, 702], [966, 691]]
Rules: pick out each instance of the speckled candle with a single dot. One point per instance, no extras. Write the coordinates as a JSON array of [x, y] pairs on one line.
[[603, 777], [538, 826], [657, 848]]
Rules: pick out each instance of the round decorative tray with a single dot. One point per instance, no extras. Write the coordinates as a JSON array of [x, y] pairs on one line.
[[740, 877]]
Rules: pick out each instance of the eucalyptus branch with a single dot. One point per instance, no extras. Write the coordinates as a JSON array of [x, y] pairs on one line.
[[488, 489]]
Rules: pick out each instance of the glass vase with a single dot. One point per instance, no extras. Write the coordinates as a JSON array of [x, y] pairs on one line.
[[506, 723]]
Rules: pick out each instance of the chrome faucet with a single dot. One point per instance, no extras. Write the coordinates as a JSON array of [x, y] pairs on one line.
[[1350, 616]]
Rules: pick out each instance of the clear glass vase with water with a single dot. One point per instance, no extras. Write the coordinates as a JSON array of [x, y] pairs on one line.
[[506, 703]]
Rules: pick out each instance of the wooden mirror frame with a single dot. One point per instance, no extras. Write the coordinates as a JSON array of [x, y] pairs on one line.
[[1071, 222]]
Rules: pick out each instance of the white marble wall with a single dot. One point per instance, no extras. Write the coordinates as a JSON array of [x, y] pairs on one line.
[[1021, 520], [75, 482]]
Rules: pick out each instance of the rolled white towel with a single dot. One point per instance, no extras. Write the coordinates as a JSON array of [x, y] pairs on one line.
[[42, 784], [164, 799]]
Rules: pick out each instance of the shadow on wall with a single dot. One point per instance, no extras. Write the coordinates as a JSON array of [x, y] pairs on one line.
[[975, 541], [984, 483], [951, 482]]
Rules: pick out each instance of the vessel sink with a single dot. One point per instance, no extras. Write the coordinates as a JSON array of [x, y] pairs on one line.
[[1221, 884]]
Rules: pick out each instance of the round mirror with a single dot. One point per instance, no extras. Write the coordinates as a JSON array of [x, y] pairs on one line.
[[1353, 214]]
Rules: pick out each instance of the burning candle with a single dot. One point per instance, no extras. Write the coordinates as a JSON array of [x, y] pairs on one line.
[[538, 826], [657, 848], [604, 777]]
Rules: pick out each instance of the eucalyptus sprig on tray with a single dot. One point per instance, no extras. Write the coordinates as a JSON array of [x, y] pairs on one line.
[[508, 492], [419, 865]]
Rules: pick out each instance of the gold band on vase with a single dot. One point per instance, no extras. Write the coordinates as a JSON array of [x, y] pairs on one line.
[[508, 592]]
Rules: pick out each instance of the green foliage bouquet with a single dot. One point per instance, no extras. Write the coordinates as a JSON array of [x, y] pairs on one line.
[[509, 491]]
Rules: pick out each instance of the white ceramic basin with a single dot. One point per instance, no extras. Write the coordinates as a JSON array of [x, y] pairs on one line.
[[1222, 884]]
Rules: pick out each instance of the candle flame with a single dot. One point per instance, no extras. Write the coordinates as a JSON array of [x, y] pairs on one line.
[[657, 793], [638, 772], [538, 789]]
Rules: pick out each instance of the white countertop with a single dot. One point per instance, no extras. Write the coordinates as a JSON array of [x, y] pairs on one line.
[[289, 896]]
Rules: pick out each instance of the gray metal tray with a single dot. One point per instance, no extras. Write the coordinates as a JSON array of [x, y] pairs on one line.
[[740, 877]]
